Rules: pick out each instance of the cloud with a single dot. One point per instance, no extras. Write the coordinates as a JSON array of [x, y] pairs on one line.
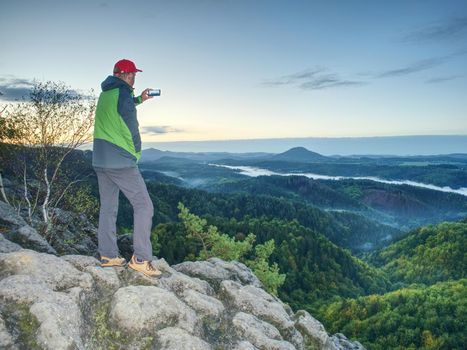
[[14, 89], [420, 65], [294, 78], [158, 130], [442, 30], [328, 81], [442, 79], [413, 68], [312, 79], [319, 78], [17, 89]]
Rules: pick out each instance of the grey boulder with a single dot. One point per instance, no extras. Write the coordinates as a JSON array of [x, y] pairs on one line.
[[58, 316], [7, 246], [55, 272], [18, 231], [262, 335], [172, 338], [215, 270], [146, 309]]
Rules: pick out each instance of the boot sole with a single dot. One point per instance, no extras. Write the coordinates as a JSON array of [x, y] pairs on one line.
[[152, 276], [112, 265]]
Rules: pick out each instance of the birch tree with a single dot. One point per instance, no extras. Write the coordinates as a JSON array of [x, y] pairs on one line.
[[46, 129]]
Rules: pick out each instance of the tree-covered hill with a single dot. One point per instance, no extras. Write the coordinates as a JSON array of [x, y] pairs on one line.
[[428, 305], [399, 205], [312, 191], [416, 317], [299, 154], [426, 255]]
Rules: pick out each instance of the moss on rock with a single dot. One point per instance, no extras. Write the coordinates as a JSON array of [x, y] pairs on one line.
[[104, 336], [22, 325]]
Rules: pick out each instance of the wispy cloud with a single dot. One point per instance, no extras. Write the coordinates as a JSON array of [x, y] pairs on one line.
[[442, 79], [320, 78], [295, 78], [328, 81], [14, 89], [442, 30], [413, 67], [158, 130], [420, 65], [312, 79]]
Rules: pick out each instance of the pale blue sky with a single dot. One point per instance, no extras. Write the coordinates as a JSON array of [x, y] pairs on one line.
[[254, 69]]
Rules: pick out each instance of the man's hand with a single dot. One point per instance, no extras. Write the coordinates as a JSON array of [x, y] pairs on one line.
[[144, 95]]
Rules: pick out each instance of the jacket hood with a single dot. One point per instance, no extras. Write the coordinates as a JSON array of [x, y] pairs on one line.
[[112, 82]]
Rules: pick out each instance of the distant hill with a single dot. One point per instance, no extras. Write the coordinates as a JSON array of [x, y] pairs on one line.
[[152, 154], [296, 154], [299, 154]]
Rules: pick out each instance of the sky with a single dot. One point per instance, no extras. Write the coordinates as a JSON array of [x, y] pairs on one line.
[[247, 69]]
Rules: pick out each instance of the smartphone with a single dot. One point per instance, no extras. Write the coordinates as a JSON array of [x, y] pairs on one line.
[[154, 92]]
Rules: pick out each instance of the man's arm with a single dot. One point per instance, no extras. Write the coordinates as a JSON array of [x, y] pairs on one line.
[[138, 100], [143, 97]]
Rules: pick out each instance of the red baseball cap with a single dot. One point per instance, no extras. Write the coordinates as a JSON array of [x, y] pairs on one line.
[[125, 66]]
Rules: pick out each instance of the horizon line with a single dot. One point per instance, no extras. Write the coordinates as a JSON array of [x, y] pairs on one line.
[[357, 145]]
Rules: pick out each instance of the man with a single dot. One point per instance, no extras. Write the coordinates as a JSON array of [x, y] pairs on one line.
[[116, 151]]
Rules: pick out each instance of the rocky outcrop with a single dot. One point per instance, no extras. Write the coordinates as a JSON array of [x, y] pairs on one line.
[[71, 233], [7, 246], [215, 270], [16, 230], [70, 302]]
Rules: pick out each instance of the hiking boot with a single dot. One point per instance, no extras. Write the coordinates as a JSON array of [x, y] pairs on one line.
[[105, 261], [144, 266]]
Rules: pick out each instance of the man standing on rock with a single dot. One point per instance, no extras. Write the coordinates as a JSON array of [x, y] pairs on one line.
[[116, 151]]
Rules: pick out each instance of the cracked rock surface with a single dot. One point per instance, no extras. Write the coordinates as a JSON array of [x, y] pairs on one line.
[[70, 302]]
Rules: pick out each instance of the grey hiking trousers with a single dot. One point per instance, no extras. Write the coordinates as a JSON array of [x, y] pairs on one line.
[[131, 183]]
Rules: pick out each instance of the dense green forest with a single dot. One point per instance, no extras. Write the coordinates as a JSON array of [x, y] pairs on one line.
[[451, 172], [427, 255], [345, 229], [427, 309], [416, 317], [401, 206]]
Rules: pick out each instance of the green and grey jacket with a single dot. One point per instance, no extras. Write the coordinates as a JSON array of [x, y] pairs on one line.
[[117, 142]]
